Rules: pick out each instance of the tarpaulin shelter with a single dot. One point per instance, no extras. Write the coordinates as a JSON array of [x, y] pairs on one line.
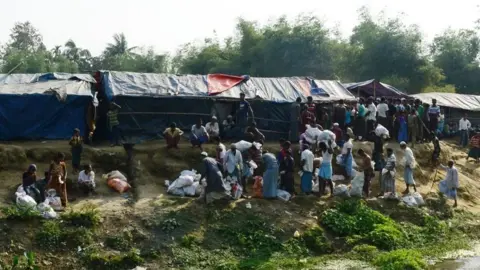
[[45, 106], [150, 102], [373, 88], [454, 105]]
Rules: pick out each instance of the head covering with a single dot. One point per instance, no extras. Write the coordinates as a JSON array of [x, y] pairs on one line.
[[214, 117], [229, 116], [32, 168], [335, 124], [76, 130], [204, 154], [403, 143], [402, 99]]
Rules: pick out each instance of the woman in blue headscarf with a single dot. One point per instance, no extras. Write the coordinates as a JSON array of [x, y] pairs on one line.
[[270, 176]]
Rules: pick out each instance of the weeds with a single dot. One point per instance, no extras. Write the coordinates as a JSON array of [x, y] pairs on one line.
[[53, 236], [316, 241], [400, 259], [97, 261], [15, 213], [88, 217], [122, 242], [25, 262]]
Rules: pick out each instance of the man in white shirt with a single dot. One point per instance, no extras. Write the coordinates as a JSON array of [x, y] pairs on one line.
[[382, 110], [451, 181], [347, 157], [86, 180], [233, 164], [464, 126], [307, 170], [371, 116], [199, 135], [409, 160], [212, 127]]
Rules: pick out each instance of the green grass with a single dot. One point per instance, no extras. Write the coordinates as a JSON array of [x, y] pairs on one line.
[[15, 213]]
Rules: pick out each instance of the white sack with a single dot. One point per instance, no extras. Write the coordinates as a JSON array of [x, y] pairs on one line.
[[26, 202], [191, 190], [356, 188], [243, 145], [283, 195], [409, 200], [418, 198], [381, 131]]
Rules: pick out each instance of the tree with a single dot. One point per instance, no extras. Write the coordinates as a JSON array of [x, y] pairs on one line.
[[78, 55], [118, 47], [25, 37]]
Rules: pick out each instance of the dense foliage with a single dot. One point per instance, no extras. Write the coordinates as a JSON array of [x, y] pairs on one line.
[[381, 48]]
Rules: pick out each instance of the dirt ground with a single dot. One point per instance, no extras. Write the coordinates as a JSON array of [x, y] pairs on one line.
[[155, 165]]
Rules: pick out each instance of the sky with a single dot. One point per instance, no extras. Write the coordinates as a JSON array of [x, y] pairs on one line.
[[167, 24]]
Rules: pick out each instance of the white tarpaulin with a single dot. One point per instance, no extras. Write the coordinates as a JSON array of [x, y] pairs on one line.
[[451, 100]]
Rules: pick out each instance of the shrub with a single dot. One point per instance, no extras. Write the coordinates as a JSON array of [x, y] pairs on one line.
[[95, 260], [15, 213], [386, 237], [50, 235], [88, 217], [366, 252], [367, 218], [340, 223], [77, 237], [316, 241], [190, 240], [400, 259], [123, 242]]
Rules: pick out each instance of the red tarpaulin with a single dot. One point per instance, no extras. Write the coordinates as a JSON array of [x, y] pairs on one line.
[[218, 83]]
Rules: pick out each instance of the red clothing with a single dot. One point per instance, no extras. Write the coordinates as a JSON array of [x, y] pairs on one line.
[[338, 133], [311, 108], [475, 141], [308, 118]]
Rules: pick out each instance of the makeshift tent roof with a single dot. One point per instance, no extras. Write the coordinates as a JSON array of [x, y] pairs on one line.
[[43, 106], [280, 90], [451, 100], [40, 77], [366, 89]]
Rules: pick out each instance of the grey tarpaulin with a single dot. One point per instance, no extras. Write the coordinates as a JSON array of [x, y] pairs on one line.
[[334, 90], [40, 77], [451, 100], [366, 89], [60, 88]]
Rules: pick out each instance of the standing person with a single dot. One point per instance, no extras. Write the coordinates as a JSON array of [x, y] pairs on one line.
[[436, 150], [228, 127], [212, 128], [270, 176], [434, 114], [114, 124], [287, 167], [199, 135], [58, 177], [215, 189], [325, 120], [451, 181], [368, 172], [441, 125], [420, 115], [474, 147], [325, 172], [29, 181], [392, 111], [382, 109], [426, 122], [339, 114], [306, 162], [338, 134], [361, 125], [253, 134], [172, 136], [220, 150], [295, 112], [348, 117], [377, 154], [371, 116], [403, 128], [388, 180], [243, 112], [310, 105], [409, 165], [86, 180], [347, 157], [76, 144], [233, 164], [308, 118], [413, 126], [464, 126]]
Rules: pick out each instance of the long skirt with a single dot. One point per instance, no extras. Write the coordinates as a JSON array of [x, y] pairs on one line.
[[443, 188], [360, 127], [474, 153], [306, 182], [325, 171], [61, 189], [270, 179], [288, 182], [76, 157], [408, 176], [388, 183], [348, 164], [402, 132]]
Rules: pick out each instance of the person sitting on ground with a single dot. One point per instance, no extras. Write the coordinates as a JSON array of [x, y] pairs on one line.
[[172, 136], [29, 180], [451, 180], [86, 180], [228, 127], [338, 134], [253, 134], [212, 128], [76, 143], [388, 180], [409, 165], [474, 147], [199, 135], [58, 177], [368, 172]]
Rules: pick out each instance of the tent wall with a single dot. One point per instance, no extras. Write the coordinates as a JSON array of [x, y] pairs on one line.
[[38, 116]]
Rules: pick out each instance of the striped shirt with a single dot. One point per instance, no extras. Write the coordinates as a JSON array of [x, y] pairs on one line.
[[475, 141], [113, 118]]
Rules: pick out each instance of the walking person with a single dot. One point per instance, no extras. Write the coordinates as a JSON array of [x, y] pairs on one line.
[[244, 111], [409, 165], [464, 126], [450, 185], [347, 157], [368, 172], [371, 116]]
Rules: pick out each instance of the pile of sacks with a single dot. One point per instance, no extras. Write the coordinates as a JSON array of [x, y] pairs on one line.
[[117, 181], [187, 184], [46, 208], [413, 200], [313, 134]]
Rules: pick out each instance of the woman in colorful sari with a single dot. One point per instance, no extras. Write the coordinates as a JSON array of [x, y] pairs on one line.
[[403, 129], [58, 176], [76, 142], [270, 176]]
